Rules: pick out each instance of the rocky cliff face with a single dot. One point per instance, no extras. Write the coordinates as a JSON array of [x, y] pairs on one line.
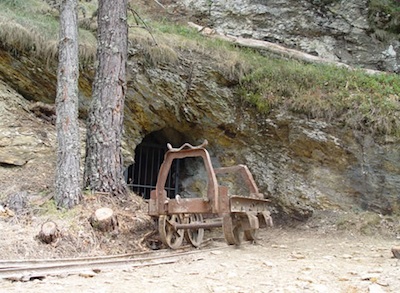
[[302, 164], [335, 30]]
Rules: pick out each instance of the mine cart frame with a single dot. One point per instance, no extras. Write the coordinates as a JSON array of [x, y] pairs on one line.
[[180, 218]]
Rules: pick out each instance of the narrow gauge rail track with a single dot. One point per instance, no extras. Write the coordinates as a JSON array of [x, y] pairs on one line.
[[25, 270]]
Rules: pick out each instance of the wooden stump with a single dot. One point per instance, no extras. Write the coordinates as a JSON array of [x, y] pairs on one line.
[[49, 232], [396, 251], [104, 220]]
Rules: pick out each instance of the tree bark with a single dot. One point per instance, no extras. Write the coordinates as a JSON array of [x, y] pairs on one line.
[[67, 183], [104, 165]]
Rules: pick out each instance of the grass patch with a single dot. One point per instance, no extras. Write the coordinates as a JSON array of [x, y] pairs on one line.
[[221, 55], [50, 209], [359, 100], [32, 26], [384, 18]]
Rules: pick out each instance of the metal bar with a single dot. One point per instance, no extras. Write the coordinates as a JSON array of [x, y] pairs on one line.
[[247, 204], [159, 159], [152, 166], [177, 176], [188, 205], [126, 174], [146, 165], [170, 174], [147, 186], [198, 225], [139, 166]]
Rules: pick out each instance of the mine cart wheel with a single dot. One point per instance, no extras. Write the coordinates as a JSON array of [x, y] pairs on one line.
[[251, 235], [169, 236], [233, 231], [194, 236]]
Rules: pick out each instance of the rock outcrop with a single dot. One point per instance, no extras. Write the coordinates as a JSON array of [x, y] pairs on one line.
[[335, 30], [301, 164]]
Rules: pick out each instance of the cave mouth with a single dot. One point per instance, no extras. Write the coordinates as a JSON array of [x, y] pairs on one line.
[[141, 176]]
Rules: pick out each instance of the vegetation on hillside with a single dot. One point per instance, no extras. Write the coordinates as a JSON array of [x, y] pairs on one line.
[[352, 97], [31, 26], [384, 18], [358, 100]]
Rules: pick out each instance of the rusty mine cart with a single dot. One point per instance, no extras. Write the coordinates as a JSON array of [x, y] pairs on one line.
[[180, 218]]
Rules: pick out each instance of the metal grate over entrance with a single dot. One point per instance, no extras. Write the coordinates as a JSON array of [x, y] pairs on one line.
[[141, 176]]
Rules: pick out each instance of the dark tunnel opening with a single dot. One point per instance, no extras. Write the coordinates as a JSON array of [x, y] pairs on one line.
[[141, 176]]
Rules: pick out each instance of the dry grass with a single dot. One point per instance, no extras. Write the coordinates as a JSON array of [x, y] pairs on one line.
[[27, 26], [18, 37], [77, 238], [156, 52], [39, 36], [356, 99], [384, 18], [166, 42]]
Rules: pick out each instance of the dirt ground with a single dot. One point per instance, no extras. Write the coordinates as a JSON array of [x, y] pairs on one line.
[[283, 260]]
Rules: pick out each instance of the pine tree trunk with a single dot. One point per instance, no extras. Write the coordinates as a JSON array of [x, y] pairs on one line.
[[67, 183], [104, 165]]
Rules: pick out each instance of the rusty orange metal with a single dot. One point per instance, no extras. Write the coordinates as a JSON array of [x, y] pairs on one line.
[[181, 218]]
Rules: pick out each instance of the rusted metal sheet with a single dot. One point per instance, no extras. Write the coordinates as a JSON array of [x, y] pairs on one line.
[[247, 204], [246, 175], [224, 206], [189, 206], [265, 219], [250, 221]]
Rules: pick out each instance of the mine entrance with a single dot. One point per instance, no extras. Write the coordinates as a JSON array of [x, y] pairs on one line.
[[187, 177], [141, 176]]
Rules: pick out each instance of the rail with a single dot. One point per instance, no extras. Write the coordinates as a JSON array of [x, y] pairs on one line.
[[25, 270]]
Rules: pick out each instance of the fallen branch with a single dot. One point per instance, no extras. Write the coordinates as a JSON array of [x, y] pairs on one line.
[[159, 4], [275, 48], [137, 18]]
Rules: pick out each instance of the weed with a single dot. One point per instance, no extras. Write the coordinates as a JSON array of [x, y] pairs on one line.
[[26, 26], [385, 15], [360, 100], [50, 210]]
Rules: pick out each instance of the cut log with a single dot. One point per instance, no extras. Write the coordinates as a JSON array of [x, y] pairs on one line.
[[104, 220], [49, 232]]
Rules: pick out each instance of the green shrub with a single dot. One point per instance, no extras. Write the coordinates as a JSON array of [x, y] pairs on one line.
[[385, 15], [359, 100]]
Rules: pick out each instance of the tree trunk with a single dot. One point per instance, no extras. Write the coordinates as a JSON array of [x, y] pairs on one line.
[[67, 183], [104, 165]]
